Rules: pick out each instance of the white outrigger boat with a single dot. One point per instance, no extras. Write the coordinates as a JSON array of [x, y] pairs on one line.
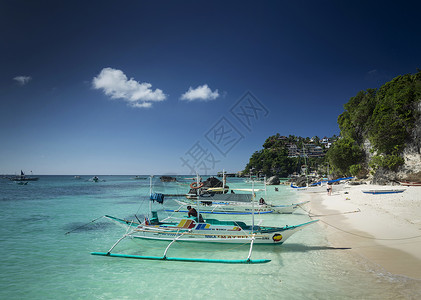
[[218, 201], [207, 231], [235, 204], [196, 229], [189, 229]]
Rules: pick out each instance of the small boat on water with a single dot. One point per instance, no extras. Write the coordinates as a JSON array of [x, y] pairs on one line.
[[383, 191], [96, 179], [23, 177], [235, 204], [139, 178]]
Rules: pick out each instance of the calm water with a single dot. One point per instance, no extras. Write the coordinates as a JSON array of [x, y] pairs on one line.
[[38, 261]]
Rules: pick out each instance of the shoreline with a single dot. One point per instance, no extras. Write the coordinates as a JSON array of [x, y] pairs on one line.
[[384, 229]]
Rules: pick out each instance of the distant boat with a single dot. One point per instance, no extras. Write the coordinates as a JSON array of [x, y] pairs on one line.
[[139, 178], [78, 177], [383, 191], [22, 177], [321, 186], [409, 183]]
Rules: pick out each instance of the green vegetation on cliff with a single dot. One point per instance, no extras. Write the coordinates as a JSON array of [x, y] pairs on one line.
[[385, 117], [376, 126]]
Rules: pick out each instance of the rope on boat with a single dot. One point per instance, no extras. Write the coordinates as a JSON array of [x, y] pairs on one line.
[[84, 225]]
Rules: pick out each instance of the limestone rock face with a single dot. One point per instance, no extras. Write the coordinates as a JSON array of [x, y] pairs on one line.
[[411, 155], [212, 182], [167, 179], [274, 180], [412, 152], [301, 181]]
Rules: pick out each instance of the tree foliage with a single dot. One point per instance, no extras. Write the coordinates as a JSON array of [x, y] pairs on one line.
[[386, 117], [345, 154]]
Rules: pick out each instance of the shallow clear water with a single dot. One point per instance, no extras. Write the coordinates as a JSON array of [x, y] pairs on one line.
[[39, 261]]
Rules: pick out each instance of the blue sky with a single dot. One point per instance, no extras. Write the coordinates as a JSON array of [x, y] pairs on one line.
[[159, 87]]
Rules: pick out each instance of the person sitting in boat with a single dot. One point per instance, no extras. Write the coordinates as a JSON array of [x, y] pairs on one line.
[[262, 201], [192, 212]]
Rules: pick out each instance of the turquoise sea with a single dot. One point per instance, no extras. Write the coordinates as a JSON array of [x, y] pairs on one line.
[[38, 260]]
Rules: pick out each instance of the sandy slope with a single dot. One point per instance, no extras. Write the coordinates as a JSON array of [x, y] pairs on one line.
[[385, 229]]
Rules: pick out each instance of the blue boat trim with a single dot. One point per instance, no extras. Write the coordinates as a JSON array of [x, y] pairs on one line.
[[382, 192]]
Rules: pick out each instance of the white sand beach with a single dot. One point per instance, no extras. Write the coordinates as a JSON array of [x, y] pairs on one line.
[[384, 228]]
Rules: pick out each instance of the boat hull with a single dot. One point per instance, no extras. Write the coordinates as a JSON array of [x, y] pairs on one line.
[[204, 236], [376, 192]]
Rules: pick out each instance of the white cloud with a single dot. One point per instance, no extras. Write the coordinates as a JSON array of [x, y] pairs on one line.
[[22, 80], [114, 83], [203, 93]]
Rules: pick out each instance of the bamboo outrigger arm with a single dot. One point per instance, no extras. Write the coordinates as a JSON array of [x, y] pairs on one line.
[[172, 242], [184, 259]]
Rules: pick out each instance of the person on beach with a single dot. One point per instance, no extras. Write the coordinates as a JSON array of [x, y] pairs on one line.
[[329, 189]]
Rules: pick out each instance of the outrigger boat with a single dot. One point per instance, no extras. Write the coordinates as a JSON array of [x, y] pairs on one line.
[[218, 201], [235, 204], [194, 229]]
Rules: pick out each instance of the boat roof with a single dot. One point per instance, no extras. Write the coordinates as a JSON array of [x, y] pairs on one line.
[[227, 197]]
